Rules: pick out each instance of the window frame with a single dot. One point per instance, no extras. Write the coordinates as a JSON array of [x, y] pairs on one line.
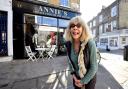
[[64, 3]]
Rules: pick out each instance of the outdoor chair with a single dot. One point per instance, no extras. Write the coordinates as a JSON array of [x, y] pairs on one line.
[[30, 54], [51, 52]]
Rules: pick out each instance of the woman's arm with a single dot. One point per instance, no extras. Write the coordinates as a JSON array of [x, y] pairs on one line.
[[93, 63]]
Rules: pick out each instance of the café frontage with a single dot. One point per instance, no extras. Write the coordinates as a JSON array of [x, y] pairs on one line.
[[36, 24]]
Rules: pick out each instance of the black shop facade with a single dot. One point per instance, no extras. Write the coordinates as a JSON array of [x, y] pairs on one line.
[[38, 24]]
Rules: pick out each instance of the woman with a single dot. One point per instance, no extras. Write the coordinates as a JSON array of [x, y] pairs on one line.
[[81, 51]]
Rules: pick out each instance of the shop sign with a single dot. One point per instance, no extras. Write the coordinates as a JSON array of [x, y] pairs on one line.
[[45, 10], [50, 11]]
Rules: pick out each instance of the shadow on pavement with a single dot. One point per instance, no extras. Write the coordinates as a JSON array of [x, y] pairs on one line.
[[50, 74], [105, 80], [54, 81]]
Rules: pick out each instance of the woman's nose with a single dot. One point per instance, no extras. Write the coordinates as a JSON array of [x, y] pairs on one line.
[[75, 28]]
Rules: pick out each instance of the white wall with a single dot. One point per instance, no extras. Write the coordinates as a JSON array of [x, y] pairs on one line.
[[6, 5]]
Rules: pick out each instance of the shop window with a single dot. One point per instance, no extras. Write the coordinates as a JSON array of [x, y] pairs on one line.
[[123, 40], [49, 21], [39, 19], [103, 41], [63, 23], [113, 42]]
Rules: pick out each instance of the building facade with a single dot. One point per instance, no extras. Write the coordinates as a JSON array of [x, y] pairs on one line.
[[110, 26], [6, 39], [41, 22]]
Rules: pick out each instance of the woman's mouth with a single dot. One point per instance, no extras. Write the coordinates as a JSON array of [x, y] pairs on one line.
[[75, 33]]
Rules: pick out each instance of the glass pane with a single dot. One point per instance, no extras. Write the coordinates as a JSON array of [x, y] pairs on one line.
[[49, 21], [64, 2], [63, 23]]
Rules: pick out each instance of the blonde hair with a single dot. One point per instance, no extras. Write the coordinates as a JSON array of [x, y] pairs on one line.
[[86, 31]]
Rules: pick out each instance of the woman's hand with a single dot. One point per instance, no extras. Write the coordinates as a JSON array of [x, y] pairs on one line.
[[77, 82], [74, 78], [79, 85]]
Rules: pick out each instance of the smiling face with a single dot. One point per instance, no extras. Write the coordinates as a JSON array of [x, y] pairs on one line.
[[76, 30]]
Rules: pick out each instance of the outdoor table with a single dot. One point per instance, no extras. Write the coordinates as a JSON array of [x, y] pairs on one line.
[[41, 52]]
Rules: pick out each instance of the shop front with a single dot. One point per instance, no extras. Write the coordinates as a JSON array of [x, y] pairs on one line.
[[114, 40], [40, 25]]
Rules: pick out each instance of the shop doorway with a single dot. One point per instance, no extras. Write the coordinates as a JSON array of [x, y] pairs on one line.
[[18, 35]]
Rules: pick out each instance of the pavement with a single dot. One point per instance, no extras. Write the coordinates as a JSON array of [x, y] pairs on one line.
[[54, 74], [118, 67]]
